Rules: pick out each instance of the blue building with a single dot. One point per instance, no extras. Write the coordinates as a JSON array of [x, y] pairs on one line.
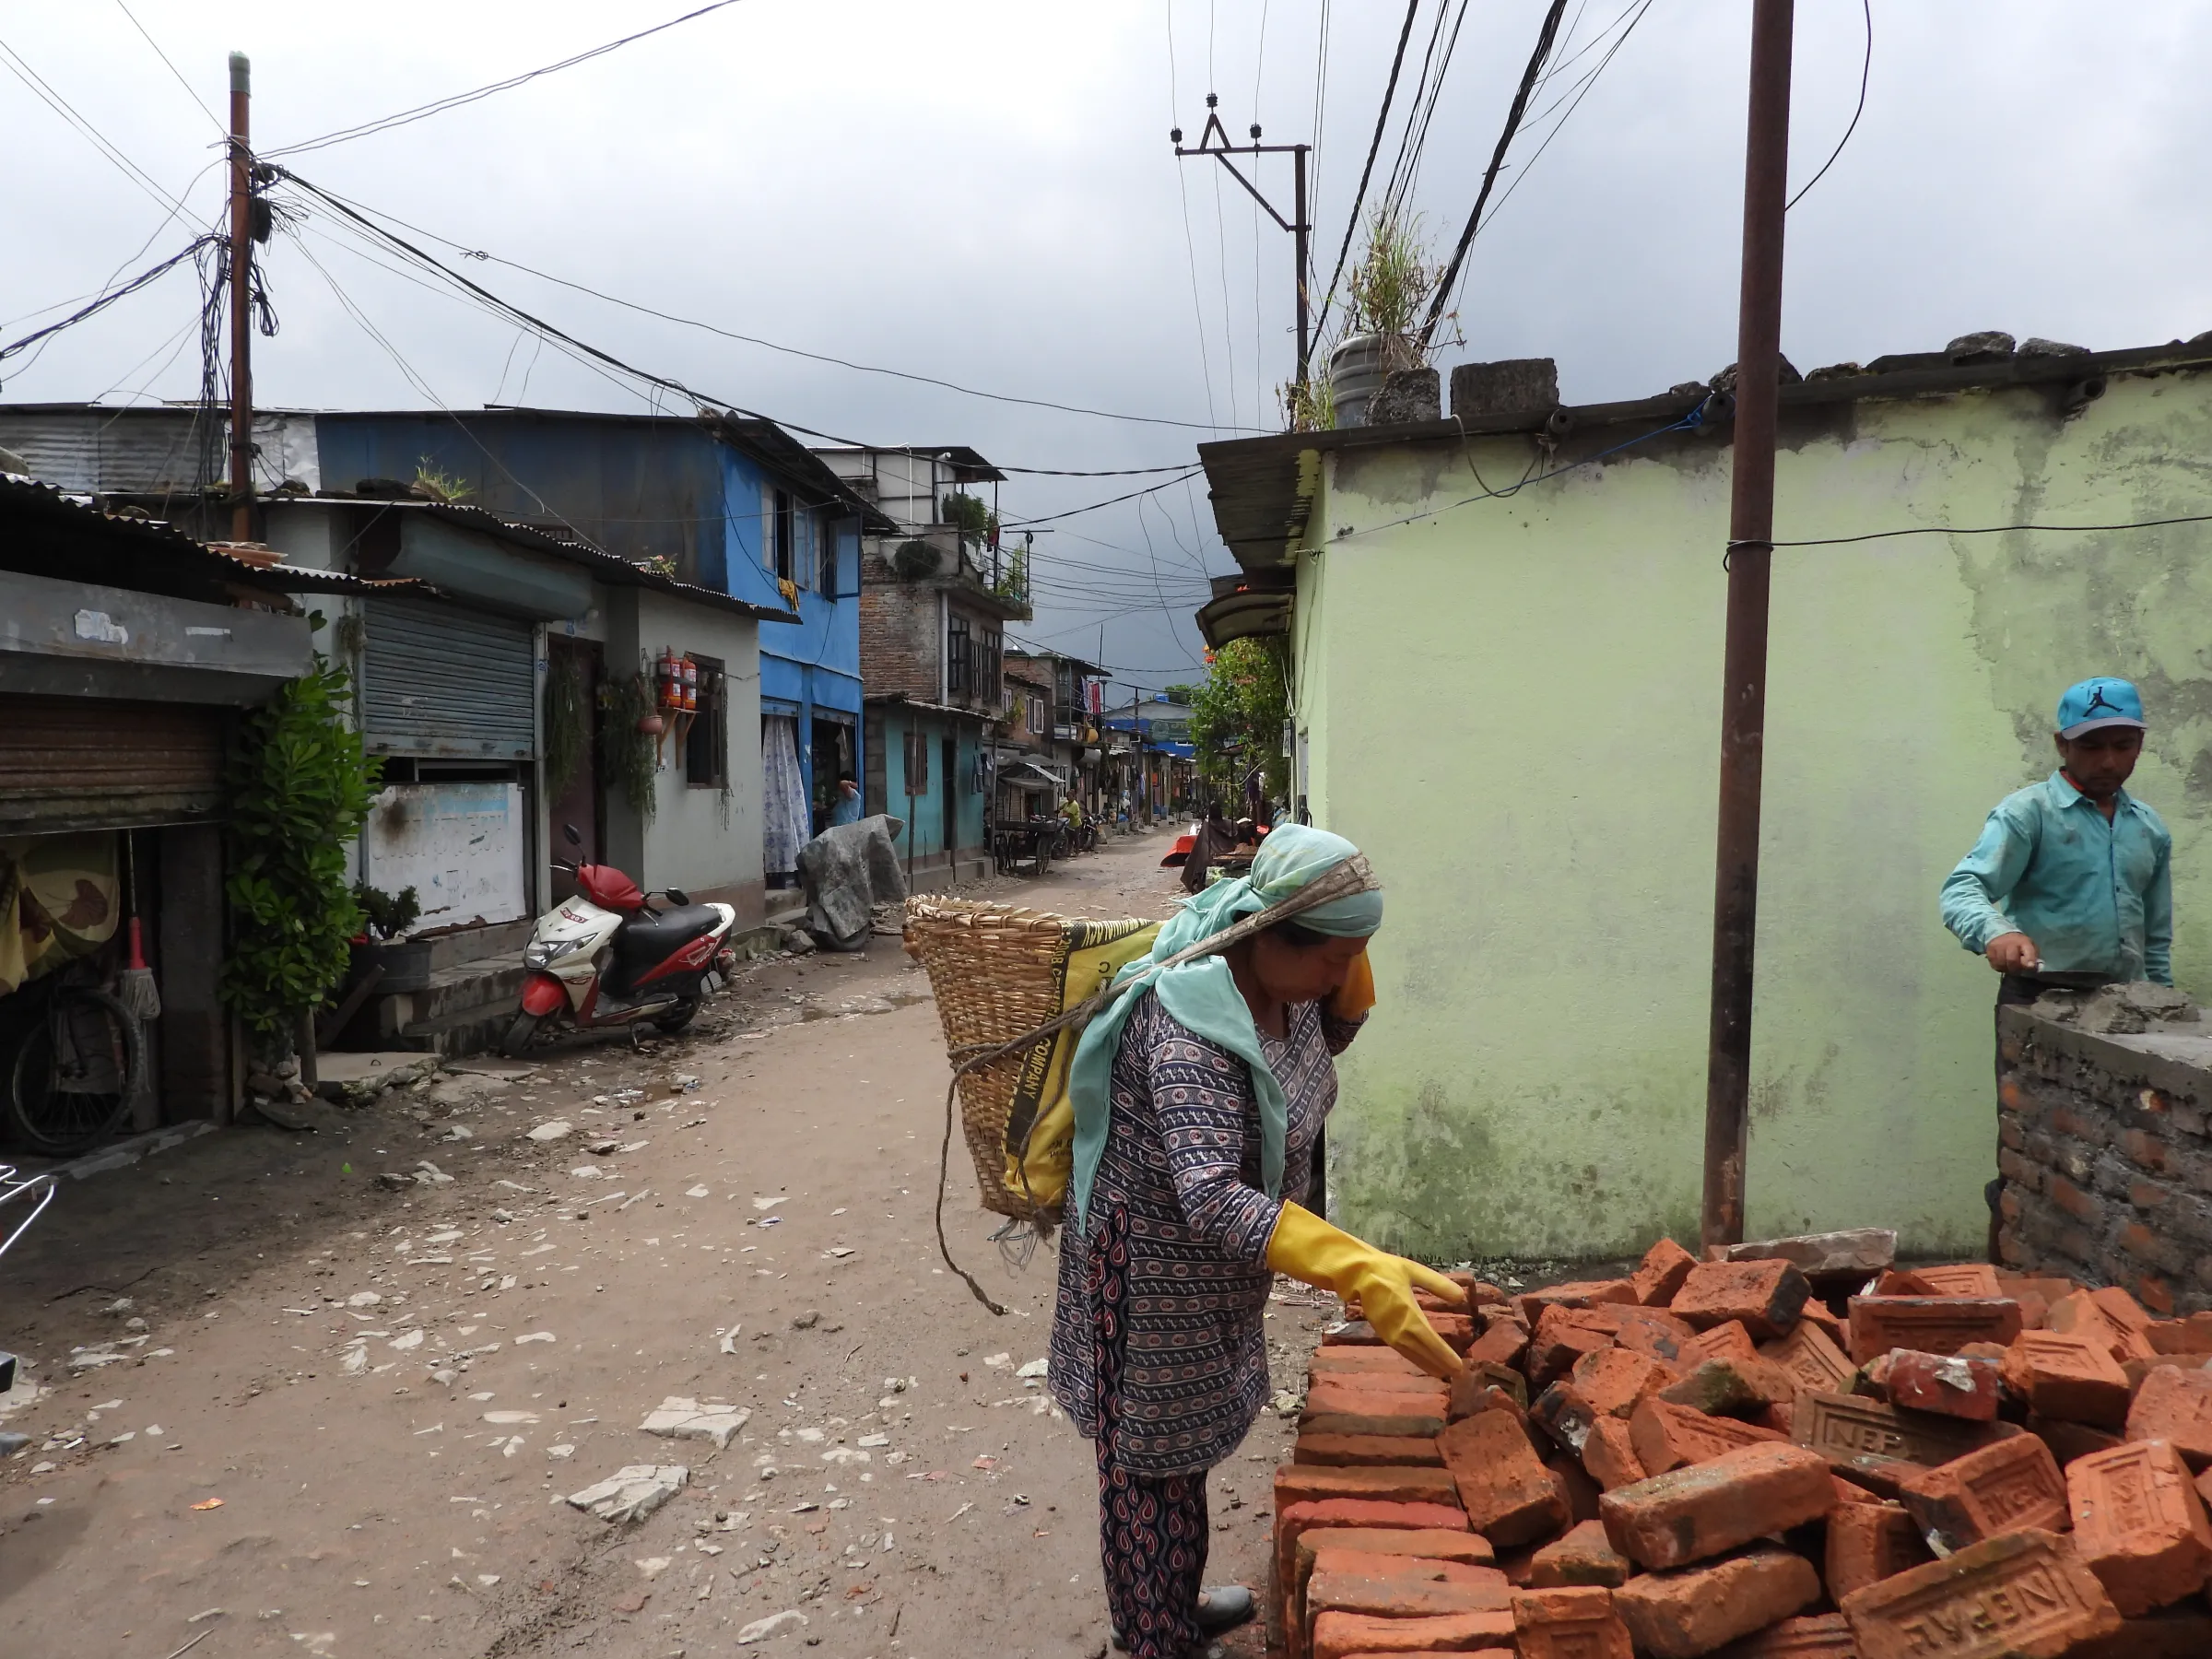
[[723, 502]]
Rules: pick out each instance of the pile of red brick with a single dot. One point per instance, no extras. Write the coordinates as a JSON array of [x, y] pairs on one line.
[[1794, 1450]]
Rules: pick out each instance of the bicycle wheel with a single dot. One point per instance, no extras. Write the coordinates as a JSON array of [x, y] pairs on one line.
[[74, 1076]]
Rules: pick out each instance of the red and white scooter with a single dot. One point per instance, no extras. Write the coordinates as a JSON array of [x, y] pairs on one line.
[[606, 957]]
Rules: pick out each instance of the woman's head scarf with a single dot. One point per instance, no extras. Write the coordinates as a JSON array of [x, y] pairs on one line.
[[1203, 996]]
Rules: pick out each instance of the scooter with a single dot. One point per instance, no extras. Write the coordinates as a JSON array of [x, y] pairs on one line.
[[606, 957]]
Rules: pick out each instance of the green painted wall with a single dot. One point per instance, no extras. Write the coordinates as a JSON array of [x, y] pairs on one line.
[[1513, 708]]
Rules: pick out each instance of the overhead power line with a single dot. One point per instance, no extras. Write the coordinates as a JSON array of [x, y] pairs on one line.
[[1544, 36], [1374, 145], [102, 303], [171, 68], [439, 106], [61, 106], [1866, 72], [729, 333]]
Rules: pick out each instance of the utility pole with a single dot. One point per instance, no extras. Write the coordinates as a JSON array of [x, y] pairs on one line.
[[241, 302], [1750, 562], [1213, 140]]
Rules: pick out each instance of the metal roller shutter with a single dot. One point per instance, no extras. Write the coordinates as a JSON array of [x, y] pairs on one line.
[[100, 763], [440, 681]]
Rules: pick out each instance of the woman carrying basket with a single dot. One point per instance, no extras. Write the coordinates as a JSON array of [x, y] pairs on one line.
[[1198, 1094]]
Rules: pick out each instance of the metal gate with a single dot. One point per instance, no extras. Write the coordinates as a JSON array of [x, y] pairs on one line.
[[100, 763], [440, 681]]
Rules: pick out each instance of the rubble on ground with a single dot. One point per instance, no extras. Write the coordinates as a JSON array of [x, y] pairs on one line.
[[1789, 1448]]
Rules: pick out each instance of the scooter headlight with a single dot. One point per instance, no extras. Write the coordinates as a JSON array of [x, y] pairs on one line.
[[544, 953]]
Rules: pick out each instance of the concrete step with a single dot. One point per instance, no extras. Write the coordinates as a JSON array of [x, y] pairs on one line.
[[449, 990], [476, 1031], [412, 964]]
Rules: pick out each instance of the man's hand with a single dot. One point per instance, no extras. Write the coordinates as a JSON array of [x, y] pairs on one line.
[[2013, 953]]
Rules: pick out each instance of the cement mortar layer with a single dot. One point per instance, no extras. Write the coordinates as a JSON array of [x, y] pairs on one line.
[[2107, 1161]]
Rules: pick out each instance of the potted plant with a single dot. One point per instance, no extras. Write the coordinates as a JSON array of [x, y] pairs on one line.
[[1385, 295]]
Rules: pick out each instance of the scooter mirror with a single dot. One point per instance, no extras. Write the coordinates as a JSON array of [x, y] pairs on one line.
[[676, 895], [569, 831]]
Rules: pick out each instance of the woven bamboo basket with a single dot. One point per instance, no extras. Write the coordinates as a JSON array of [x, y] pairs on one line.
[[992, 968]]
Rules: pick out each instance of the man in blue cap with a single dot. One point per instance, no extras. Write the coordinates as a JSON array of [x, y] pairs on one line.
[[2071, 882]]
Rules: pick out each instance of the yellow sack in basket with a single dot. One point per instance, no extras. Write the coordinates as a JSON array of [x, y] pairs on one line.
[[1041, 1160]]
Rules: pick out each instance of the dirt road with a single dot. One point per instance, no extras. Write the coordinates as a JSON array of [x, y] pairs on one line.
[[283, 1409]]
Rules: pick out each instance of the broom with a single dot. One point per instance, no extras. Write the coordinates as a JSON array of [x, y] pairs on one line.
[[134, 987]]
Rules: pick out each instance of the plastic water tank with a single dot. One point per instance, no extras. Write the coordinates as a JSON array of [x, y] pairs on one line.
[[1357, 368]]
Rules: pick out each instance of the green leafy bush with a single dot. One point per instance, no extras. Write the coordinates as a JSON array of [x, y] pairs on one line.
[[299, 789]]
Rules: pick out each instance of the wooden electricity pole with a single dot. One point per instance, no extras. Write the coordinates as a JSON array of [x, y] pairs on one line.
[[1750, 558], [1213, 140], [241, 303]]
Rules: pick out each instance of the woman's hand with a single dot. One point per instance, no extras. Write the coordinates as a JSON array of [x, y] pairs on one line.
[[1308, 1249], [1352, 999]]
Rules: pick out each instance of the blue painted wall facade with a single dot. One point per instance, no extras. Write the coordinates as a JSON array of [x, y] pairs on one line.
[[885, 780], [647, 487]]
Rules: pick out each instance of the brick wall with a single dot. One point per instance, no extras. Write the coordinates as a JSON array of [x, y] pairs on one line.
[[2106, 1158], [900, 649]]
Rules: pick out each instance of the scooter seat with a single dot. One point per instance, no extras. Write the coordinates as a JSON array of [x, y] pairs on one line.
[[645, 941]]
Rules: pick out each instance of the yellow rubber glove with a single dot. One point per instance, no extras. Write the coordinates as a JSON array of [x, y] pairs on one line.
[[1357, 994], [1308, 1249]]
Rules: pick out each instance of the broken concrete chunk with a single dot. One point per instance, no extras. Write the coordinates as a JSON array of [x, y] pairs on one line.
[[679, 1418], [633, 1492], [1860, 1250], [552, 1131], [1985, 346]]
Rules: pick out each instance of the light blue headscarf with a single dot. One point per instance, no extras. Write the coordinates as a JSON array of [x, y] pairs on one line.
[[1203, 996]]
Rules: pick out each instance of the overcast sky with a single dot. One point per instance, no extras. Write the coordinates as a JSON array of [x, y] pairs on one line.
[[984, 192]]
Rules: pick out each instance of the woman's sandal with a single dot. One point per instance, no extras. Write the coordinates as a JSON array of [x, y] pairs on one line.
[[1221, 1608]]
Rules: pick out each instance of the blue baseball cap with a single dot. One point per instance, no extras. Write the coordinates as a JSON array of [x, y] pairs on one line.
[[2097, 703]]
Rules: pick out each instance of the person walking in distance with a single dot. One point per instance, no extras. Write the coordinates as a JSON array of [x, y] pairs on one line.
[[2071, 882]]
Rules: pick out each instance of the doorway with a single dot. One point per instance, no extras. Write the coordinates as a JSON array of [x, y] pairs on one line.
[[572, 727], [948, 754]]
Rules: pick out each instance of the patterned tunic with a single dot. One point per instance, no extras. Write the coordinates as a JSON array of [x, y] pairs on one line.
[[1181, 1168]]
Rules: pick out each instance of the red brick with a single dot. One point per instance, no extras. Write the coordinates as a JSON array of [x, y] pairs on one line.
[[2102, 1319], [2021, 1596], [1692, 1513], [2141, 1524], [2070, 1440], [2011, 1485], [1423, 1544], [1391, 1586], [1877, 1445], [1766, 1295], [1293, 1522], [1811, 1359], [1660, 1274], [1340, 1405], [1480, 1291], [1456, 1329], [1310, 1483], [1903, 1281], [1732, 1387], [1813, 1636], [1832, 1325], [1960, 1278], [1681, 1614], [1728, 1341], [1471, 1388], [1574, 1622], [1578, 1293], [1870, 1542], [1668, 1437], [1507, 1491], [1375, 1380], [1933, 1325], [1368, 1451], [2068, 1378], [1385, 1362], [2175, 1404], [1947, 1384], [1562, 1337], [1502, 1343], [2190, 1335], [1348, 1635], [2147, 1151], [1609, 1455], [2048, 1288], [1575, 1486], [1583, 1556], [2156, 1290], [1617, 1381]]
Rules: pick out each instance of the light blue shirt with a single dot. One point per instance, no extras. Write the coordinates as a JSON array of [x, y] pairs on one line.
[[2096, 898], [846, 810]]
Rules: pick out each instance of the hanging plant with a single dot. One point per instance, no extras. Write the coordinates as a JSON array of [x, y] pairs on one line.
[[632, 757], [568, 722]]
